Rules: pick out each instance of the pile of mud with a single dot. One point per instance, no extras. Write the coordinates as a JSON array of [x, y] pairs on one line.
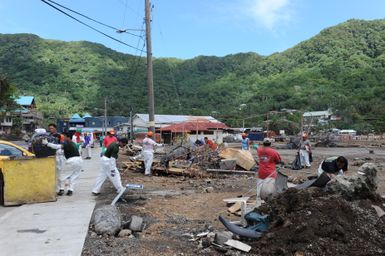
[[313, 222]]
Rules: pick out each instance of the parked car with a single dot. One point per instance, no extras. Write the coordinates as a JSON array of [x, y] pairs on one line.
[[9, 149]]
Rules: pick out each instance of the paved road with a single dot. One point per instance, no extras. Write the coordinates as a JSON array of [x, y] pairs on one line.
[[55, 228]]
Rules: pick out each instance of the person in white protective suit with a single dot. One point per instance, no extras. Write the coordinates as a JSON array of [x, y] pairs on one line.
[[148, 152], [60, 160], [109, 169], [72, 167]]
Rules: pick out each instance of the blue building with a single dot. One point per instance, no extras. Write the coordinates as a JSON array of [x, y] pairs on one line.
[[87, 123]]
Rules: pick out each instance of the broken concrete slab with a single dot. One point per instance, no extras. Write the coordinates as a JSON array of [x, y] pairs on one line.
[[107, 220], [238, 245], [136, 223]]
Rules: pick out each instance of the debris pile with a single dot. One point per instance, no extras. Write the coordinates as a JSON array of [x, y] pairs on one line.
[[315, 222], [197, 161], [107, 220], [343, 218]]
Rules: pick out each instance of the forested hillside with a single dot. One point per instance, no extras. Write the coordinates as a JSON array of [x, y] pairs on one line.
[[342, 68]]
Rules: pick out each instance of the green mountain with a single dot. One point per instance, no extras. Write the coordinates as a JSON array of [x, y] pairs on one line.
[[342, 68]]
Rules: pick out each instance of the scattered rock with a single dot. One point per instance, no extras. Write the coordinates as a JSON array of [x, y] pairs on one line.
[[206, 242], [222, 237], [124, 232], [93, 234], [136, 223], [209, 189], [107, 220]]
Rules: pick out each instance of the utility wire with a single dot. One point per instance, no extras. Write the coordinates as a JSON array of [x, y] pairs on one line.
[[89, 26], [89, 18]]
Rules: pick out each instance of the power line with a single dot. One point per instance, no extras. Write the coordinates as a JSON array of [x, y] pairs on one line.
[[89, 26], [89, 18]]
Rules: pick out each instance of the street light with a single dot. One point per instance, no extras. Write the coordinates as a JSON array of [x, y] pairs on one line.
[[241, 107]]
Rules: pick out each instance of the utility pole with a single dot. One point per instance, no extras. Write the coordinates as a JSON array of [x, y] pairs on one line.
[[131, 127], [105, 116], [150, 81]]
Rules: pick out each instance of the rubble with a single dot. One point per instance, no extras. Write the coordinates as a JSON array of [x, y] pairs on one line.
[[362, 185], [320, 223], [136, 223], [192, 161], [124, 232], [106, 220], [222, 237]]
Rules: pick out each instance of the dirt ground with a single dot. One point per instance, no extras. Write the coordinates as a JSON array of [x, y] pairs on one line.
[[175, 207]]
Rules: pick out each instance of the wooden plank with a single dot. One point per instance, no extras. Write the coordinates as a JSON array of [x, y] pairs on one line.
[[230, 171], [174, 170], [236, 199], [238, 245], [236, 207], [245, 159]]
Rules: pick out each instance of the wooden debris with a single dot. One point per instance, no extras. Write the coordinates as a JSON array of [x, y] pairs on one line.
[[238, 245], [230, 171], [236, 199], [236, 207], [243, 158]]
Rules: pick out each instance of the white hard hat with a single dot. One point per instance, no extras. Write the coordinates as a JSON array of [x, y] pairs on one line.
[[40, 131]]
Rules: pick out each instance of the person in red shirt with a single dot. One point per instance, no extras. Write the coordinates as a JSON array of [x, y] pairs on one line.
[[268, 158], [109, 138], [211, 144]]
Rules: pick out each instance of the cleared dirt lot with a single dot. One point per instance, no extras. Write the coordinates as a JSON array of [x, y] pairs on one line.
[[175, 206]]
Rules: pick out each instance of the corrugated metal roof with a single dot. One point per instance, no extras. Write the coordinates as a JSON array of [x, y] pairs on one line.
[[25, 100], [193, 126], [169, 119], [75, 116], [317, 113]]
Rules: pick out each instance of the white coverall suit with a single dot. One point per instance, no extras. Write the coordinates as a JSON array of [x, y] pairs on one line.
[[109, 170], [148, 154], [69, 170]]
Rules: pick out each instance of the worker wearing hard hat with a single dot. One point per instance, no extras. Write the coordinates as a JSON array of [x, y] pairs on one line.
[[148, 152], [109, 168], [245, 142], [73, 164], [268, 158], [109, 138], [305, 151]]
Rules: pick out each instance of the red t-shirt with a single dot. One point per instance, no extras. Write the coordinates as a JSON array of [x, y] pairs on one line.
[[108, 140], [268, 158], [211, 144]]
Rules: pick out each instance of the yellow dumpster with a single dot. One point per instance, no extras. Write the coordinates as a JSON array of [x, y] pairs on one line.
[[28, 180]]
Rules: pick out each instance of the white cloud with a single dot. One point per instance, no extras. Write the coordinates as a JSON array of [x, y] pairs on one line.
[[270, 13]]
